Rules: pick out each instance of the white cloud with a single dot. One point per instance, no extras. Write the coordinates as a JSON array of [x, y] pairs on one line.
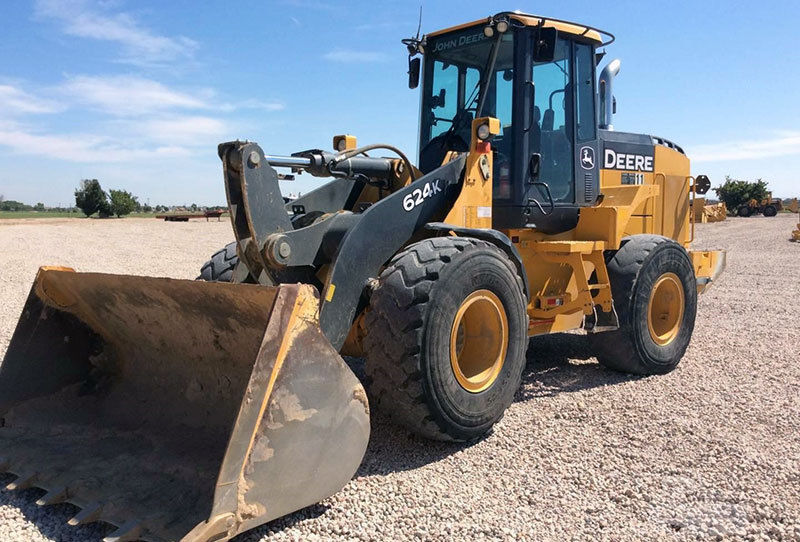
[[183, 131], [252, 104], [14, 100], [87, 148], [350, 55], [781, 144], [126, 95], [140, 45]]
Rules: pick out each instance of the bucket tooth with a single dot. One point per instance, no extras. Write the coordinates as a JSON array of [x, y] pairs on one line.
[[24, 481], [87, 515], [131, 530], [54, 496]]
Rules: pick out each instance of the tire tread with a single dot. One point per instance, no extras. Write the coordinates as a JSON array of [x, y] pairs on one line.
[[395, 323]]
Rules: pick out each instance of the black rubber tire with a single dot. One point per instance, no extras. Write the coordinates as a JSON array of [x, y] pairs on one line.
[[634, 270], [770, 210], [220, 267], [407, 340], [744, 211]]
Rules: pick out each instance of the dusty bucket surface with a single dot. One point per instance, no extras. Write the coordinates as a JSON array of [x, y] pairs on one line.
[[175, 409]]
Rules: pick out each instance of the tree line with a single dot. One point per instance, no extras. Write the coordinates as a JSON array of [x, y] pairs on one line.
[[91, 199]]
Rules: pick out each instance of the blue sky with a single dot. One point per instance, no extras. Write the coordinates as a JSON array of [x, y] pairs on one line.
[[138, 94]]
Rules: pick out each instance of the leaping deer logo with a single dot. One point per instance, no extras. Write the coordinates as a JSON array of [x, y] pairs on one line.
[[587, 158]]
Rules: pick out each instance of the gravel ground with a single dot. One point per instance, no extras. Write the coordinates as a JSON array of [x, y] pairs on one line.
[[710, 451]]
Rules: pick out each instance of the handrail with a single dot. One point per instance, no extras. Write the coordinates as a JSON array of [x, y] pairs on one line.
[[663, 199], [586, 28], [693, 212]]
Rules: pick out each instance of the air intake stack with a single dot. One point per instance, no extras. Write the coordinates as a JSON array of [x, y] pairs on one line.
[[606, 89]]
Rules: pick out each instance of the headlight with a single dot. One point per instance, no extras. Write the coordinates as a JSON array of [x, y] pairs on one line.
[[502, 26], [341, 145], [488, 31], [483, 132]]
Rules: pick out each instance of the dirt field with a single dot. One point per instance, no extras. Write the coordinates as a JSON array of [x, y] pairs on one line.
[[710, 451]]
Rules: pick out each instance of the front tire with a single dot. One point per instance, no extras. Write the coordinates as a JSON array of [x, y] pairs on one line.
[[446, 334], [744, 211], [655, 294], [770, 210], [221, 265]]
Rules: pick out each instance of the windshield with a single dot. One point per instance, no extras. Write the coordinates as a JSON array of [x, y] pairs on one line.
[[455, 65]]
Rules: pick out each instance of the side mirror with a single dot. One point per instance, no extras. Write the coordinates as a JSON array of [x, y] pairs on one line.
[[439, 99], [544, 45], [413, 72], [534, 166]]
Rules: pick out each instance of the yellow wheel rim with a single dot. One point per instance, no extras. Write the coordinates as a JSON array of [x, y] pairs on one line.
[[665, 309], [478, 341]]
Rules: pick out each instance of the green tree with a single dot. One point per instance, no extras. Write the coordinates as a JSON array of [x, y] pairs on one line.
[[122, 202], [90, 198], [11, 205], [735, 193]]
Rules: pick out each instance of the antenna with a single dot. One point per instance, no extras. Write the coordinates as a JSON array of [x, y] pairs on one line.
[[413, 44]]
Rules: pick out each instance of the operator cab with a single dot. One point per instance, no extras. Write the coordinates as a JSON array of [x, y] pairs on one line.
[[537, 76]]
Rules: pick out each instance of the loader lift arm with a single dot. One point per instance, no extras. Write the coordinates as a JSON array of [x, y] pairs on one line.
[[274, 251]]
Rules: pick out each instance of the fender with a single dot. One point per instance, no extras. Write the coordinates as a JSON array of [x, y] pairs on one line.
[[382, 230], [497, 238]]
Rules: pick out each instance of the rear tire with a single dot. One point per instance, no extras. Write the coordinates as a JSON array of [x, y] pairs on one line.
[[221, 265], [446, 335], [655, 294], [770, 210]]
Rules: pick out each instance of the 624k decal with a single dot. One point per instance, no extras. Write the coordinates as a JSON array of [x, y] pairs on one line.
[[421, 194]]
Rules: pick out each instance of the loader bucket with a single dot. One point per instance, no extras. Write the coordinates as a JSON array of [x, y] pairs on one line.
[[174, 409]]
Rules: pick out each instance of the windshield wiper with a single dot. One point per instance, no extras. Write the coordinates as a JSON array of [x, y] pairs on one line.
[[488, 74], [458, 120]]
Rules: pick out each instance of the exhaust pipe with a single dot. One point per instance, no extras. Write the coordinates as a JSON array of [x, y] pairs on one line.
[[606, 90]]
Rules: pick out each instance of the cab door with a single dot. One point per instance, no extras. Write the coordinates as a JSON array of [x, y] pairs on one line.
[[586, 147], [557, 147]]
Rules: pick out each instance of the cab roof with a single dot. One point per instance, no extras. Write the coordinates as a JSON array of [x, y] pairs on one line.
[[601, 37]]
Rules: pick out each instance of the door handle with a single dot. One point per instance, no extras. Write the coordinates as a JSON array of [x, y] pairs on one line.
[[529, 118]]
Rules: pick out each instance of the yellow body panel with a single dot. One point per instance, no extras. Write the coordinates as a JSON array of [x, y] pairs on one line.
[[473, 208], [559, 266]]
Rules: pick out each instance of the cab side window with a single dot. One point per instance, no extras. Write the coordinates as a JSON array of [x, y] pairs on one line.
[[553, 114]]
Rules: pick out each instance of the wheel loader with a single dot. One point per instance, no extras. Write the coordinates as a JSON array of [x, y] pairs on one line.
[[196, 410], [768, 207]]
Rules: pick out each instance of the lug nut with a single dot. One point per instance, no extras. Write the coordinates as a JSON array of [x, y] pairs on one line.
[[284, 250], [254, 158]]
